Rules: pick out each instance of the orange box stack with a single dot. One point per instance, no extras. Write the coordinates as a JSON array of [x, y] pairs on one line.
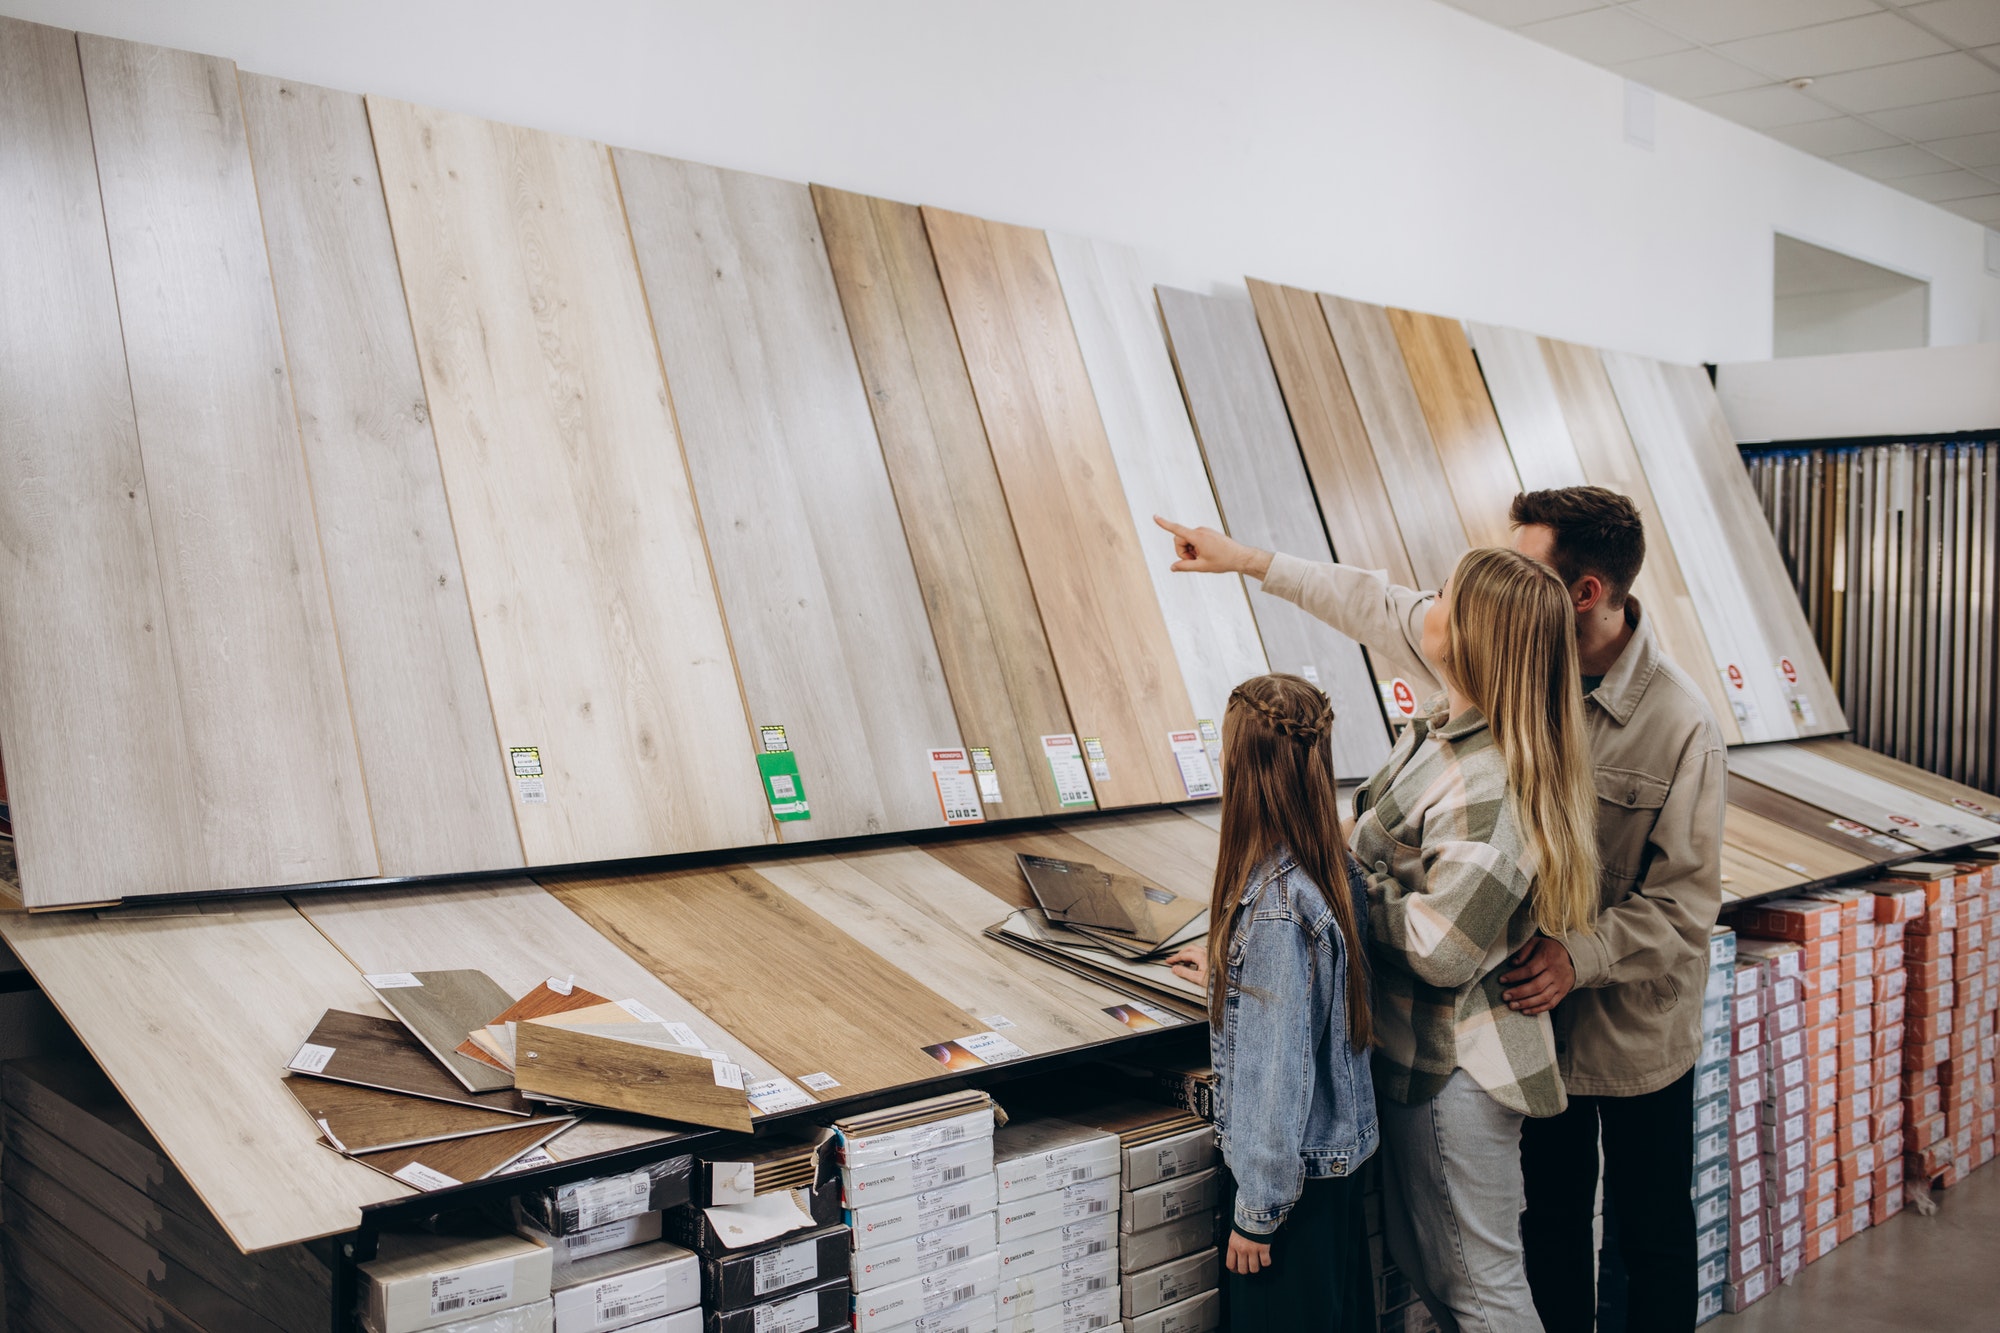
[[1929, 898]]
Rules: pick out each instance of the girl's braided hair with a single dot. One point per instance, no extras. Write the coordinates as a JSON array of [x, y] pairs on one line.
[[1305, 730]]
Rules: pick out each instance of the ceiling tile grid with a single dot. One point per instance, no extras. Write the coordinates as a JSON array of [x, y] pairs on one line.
[[1905, 93]]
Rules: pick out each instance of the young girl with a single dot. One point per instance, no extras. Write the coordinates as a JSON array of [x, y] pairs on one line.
[[1289, 1019], [1477, 832]]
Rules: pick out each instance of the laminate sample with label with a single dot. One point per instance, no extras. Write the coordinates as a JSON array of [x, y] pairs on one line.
[[989, 633], [773, 972], [1530, 412], [1463, 426], [441, 1008], [272, 759], [1883, 806], [1419, 494], [1603, 444], [431, 1166], [600, 1070], [1105, 627], [1160, 466], [1810, 820], [1747, 875], [832, 641], [1807, 856], [238, 984], [355, 1119], [599, 629], [1161, 846], [437, 788], [1973, 801], [90, 710], [1265, 499], [383, 1054]]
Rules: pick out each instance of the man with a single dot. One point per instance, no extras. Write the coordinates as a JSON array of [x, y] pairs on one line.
[[1627, 995]]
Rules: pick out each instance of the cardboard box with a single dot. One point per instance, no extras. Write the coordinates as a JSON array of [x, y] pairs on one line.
[[1798, 920], [1821, 1243], [916, 1173], [1169, 1159], [1057, 1284], [1169, 1201], [1097, 1310], [1059, 1245], [619, 1235], [609, 1291], [926, 1252], [1039, 1155], [1199, 1314], [1928, 947], [758, 1274], [1074, 1203], [898, 1219], [814, 1310], [418, 1282], [865, 1148], [899, 1303], [584, 1205], [1149, 1249], [1170, 1283]]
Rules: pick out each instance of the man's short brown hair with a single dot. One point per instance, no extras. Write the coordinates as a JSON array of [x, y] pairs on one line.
[[1596, 532]]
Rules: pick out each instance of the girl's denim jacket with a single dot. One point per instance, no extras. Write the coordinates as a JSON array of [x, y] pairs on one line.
[[1294, 1098]]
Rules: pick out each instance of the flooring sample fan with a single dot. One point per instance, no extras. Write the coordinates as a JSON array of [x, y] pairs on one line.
[[989, 633], [831, 637], [382, 1053], [448, 1162], [1445, 377], [441, 1008], [356, 1119], [1160, 466], [1105, 628], [1266, 500], [437, 791], [601, 636], [609, 1069]]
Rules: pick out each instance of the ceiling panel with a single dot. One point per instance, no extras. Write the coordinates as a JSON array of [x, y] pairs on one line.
[[1943, 120], [1910, 83], [1966, 22], [1513, 13], [1768, 107], [1985, 208], [1830, 138], [1828, 48], [1691, 74], [1971, 150], [1947, 186], [1604, 36], [1715, 21], [1888, 164]]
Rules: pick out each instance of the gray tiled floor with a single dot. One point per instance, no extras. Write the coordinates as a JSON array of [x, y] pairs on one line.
[[1915, 1273]]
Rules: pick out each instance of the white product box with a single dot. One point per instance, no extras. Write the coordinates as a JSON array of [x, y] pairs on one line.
[[681, 1321], [1041, 1155], [916, 1173], [624, 1287], [1060, 1245], [1058, 1283], [537, 1318], [897, 1219], [1077, 1316], [1177, 1280], [620, 1235], [1149, 1249], [1200, 1314], [1055, 1208], [978, 1315], [1181, 1155], [417, 1281], [879, 1265], [869, 1149], [1169, 1201], [903, 1302]]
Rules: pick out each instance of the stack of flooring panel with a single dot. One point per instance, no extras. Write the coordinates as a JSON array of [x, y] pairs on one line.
[[105, 1234]]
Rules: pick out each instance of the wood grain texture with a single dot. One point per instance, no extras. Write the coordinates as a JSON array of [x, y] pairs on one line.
[[442, 1010], [90, 711], [383, 1054], [1464, 428], [772, 971], [989, 633], [465, 1159], [598, 624], [1943, 790], [516, 933], [1813, 702], [103, 1297], [1529, 410], [1747, 875], [1105, 627], [1419, 495], [626, 1076], [541, 1002], [272, 757], [437, 788], [237, 985], [358, 1119], [1884, 806], [832, 641], [1810, 820], [990, 858], [1801, 853], [1604, 444], [1161, 846], [1160, 466], [1265, 499]]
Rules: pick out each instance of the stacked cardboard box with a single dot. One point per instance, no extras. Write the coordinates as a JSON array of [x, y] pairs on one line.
[[1965, 1080], [1716, 1072], [1058, 1223], [1781, 1098], [1750, 1250], [1923, 898]]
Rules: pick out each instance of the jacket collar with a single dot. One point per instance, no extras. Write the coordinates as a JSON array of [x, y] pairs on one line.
[[1625, 684], [1436, 719]]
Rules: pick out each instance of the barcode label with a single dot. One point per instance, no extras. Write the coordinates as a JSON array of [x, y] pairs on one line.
[[956, 1254], [964, 1293], [1079, 1174], [612, 1311], [951, 1175], [474, 1287], [958, 1212], [447, 1305]]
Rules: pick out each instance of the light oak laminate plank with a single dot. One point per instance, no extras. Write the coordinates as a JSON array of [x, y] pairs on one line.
[[1812, 821], [832, 641], [1463, 425], [1419, 495], [1883, 806], [1747, 875], [238, 984], [1804, 855], [1604, 443], [437, 784], [90, 710], [1162, 846], [1265, 499], [1105, 627], [1209, 817], [990, 640], [1160, 466], [272, 756], [1973, 801], [1529, 410], [598, 623]]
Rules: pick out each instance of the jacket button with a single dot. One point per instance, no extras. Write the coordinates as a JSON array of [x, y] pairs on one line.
[[1381, 867], [1632, 795]]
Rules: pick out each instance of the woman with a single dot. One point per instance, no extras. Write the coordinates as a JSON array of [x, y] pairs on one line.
[[1289, 1029], [1476, 833]]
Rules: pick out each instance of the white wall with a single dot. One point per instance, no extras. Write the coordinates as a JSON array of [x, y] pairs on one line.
[[1390, 150]]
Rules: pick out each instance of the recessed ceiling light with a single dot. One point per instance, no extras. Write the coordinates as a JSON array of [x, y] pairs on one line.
[[1799, 85]]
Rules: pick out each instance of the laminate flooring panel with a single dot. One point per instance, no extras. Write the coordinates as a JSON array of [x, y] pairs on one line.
[[358, 1120], [772, 971], [441, 1008], [1853, 794], [1265, 499], [1160, 466], [1747, 875], [1801, 853], [1973, 801], [1420, 496], [272, 759], [1163, 846], [457, 1161], [519, 934], [383, 1054], [1814, 703], [1464, 428], [1529, 410], [990, 640], [1604, 441], [599, 629], [236, 983], [1717, 582], [1207, 817], [1105, 627], [1813, 822], [437, 782], [928, 921], [821, 594], [90, 710]]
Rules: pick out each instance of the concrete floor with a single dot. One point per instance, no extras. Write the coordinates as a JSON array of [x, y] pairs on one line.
[[1914, 1273]]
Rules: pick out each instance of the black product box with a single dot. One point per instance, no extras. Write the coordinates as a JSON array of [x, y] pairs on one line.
[[831, 1300], [583, 1204], [690, 1226], [757, 1274]]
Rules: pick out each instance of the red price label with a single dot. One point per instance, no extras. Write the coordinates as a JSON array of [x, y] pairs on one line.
[[1905, 821], [1790, 672], [1406, 698], [1735, 677]]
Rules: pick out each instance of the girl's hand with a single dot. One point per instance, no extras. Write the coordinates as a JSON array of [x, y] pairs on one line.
[[1246, 1256], [1191, 964]]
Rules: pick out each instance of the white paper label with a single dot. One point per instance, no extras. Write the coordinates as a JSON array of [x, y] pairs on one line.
[[392, 980], [311, 1059], [796, 1314], [774, 1270], [727, 1075], [524, 762], [784, 787], [772, 1095], [562, 987], [820, 1082], [1196, 773], [1093, 750], [957, 791], [1310, 672], [331, 1137], [528, 1161], [624, 1300], [1211, 740], [472, 1289], [991, 1047], [416, 1173], [1065, 759], [983, 770], [999, 1022], [682, 1034], [642, 1013], [532, 791], [611, 1199]]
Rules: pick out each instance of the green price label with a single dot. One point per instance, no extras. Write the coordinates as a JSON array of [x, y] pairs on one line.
[[782, 786]]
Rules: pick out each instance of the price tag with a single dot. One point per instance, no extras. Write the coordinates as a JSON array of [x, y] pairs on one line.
[[416, 1173], [957, 790], [783, 787], [311, 1059], [1065, 759], [1211, 740], [989, 778], [1100, 767], [821, 1082], [642, 1013], [1196, 774], [772, 1095], [727, 1075], [472, 1288], [530, 784], [1310, 672], [528, 1161], [392, 980]]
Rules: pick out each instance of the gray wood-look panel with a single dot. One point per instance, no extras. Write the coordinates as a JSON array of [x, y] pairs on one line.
[[831, 636], [437, 783], [272, 757], [599, 629], [90, 712], [1266, 500], [1530, 410]]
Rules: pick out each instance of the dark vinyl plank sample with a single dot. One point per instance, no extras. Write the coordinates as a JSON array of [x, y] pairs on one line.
[[461, 1160], [382, 1053], [355, 1119], [441, 1009]]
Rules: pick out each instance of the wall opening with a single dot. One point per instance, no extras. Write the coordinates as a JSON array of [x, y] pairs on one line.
[[1825, 302]]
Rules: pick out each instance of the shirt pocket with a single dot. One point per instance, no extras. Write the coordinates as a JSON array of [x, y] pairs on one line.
[[1628, 806]]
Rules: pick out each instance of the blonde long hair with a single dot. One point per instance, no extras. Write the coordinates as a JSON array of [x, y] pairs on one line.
[[1278, 792], [1511, 639]]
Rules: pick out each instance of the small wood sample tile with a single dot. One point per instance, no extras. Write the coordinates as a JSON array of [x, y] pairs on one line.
[[540, 1002], [628, 1076], [383, 1053], [441, 1009], [433, 1166], [355, 1119]]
